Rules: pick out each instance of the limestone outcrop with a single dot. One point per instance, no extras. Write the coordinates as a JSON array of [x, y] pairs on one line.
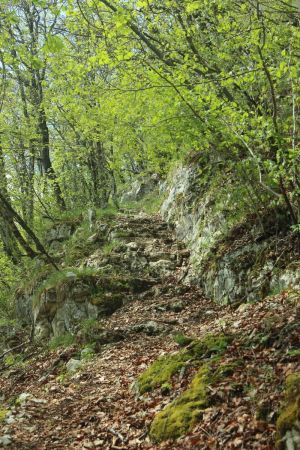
[[128, 256], [231, 261]]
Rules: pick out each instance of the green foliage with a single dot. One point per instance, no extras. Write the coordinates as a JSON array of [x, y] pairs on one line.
[[107, 213], [62, 278], [151, 203], [109, 247], [88, 352], [8, 279], [63, 341], [89, 328], [75, 248], [12, 360], [118, 114], [294, 352]]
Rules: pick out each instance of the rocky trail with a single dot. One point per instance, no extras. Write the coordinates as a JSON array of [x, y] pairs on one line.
[[99, 405]]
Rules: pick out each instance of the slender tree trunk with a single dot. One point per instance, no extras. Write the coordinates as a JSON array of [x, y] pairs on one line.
[[45, 157], [9, 212], [7, 236]]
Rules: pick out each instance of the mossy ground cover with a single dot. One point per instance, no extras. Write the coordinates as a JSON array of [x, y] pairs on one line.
[[178, 417], [290, 413], [220, 387], [162, 370]]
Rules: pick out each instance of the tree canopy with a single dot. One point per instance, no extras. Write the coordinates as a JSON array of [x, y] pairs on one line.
[[94, 93]]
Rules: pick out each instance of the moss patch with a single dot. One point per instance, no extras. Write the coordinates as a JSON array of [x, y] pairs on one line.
[[178, 417], [164, 368], [3, 414], [210, 345], [291, 412], [161, 371]]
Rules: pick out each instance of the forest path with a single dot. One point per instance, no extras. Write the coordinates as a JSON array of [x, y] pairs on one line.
[[98, 407]]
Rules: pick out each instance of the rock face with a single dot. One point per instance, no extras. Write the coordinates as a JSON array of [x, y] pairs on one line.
[[140, 188], [134, 254], [248, 265]]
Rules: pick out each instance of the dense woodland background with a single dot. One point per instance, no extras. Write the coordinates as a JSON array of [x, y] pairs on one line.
[[96, 93]]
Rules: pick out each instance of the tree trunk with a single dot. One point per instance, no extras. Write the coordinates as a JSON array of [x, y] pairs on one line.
[[45, 157], [8, 239]]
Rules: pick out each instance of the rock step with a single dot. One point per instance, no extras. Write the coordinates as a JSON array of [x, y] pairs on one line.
[[139, 267]]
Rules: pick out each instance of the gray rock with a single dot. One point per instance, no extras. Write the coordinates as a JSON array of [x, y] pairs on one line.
[[140, 188], [151, 328], [73, 365], [162, 267], [60, 232], [241, 273], [177, 307], [133, 246], [5, 440], [23, 397], [86, 352]]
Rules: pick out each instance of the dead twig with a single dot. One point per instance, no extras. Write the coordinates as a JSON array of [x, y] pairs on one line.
[[14, 348], [117, 434]]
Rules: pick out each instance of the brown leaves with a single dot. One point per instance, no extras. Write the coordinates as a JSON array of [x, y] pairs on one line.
[[98, 408]]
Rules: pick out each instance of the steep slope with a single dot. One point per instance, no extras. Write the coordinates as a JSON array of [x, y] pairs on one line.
[[219, 384]]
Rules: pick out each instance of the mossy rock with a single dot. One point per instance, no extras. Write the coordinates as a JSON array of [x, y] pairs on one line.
[[291, 412], [180, 416], [210, 345], [182, 340], [3, 414], [162, 370], [107, 303]]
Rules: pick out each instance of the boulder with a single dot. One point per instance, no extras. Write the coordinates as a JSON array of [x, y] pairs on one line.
[[162, 267], [73, 365], [107, 303], [151, 328], [140, 188]]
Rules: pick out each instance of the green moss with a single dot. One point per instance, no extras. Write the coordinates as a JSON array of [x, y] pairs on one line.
[[178, 417], [210, 345], [164, 368], [291, 412], [3, 414], [225, 370], [292, 386], [161, 371], [182, 340]]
